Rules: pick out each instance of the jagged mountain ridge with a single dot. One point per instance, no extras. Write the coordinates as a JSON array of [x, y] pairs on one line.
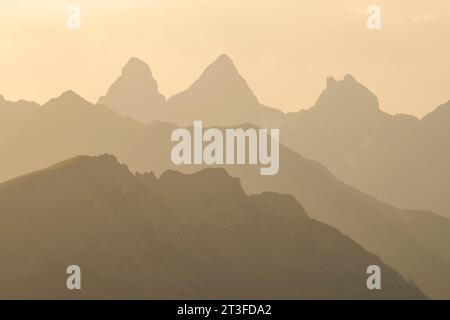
[[345, 130], [95, 130], [177, 237]]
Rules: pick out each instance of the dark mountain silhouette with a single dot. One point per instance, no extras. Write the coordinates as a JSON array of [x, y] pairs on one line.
[[50, 137], [181, 236], [135, 93]]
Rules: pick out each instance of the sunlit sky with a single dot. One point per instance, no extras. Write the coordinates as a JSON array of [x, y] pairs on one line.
[[285, 49]]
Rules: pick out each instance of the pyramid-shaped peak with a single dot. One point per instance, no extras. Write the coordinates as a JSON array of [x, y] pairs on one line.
[[69, 96], [224, 60], [222, 67], [222, 77], [68, 99]]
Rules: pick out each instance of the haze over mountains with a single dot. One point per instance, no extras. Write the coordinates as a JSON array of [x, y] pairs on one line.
[[397, 158], [180, 236], [219, 97], [346, 131], [417, 251]]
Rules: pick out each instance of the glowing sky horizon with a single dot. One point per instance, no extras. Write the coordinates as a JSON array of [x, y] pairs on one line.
[[285, 49]]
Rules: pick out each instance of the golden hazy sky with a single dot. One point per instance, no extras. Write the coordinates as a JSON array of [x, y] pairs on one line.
[[285, 49]]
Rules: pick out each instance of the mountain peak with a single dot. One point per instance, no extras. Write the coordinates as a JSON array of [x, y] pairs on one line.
[[349, 78], [137, 67], [223, 66], [331, 81], [224, 60], [347, 95], [220, 96], [220, 81], [68, 97], [70, 94], [135, 93]]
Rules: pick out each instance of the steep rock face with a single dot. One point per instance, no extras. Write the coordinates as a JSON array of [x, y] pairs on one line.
[[135, 93], [181, 236]]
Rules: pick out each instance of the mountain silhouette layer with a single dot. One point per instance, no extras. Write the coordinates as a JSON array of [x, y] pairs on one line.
[[180, 236], [387, 156], [415, 250], [219, 97], [135, 93], [397, 158]]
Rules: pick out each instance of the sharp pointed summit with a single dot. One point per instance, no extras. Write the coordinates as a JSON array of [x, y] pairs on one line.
[[222, 79], [220, 96], [222, 66], [135, 93]]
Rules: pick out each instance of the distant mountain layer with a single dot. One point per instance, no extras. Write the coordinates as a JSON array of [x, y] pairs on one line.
[[398, 159], [181, 236], [135, 93], [13, 115], [219, 96], [419, 251]]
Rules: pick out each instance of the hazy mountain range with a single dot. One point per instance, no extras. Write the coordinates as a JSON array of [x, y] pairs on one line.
[[388, 156], [345, 118], [395, 235], [181, 236]]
